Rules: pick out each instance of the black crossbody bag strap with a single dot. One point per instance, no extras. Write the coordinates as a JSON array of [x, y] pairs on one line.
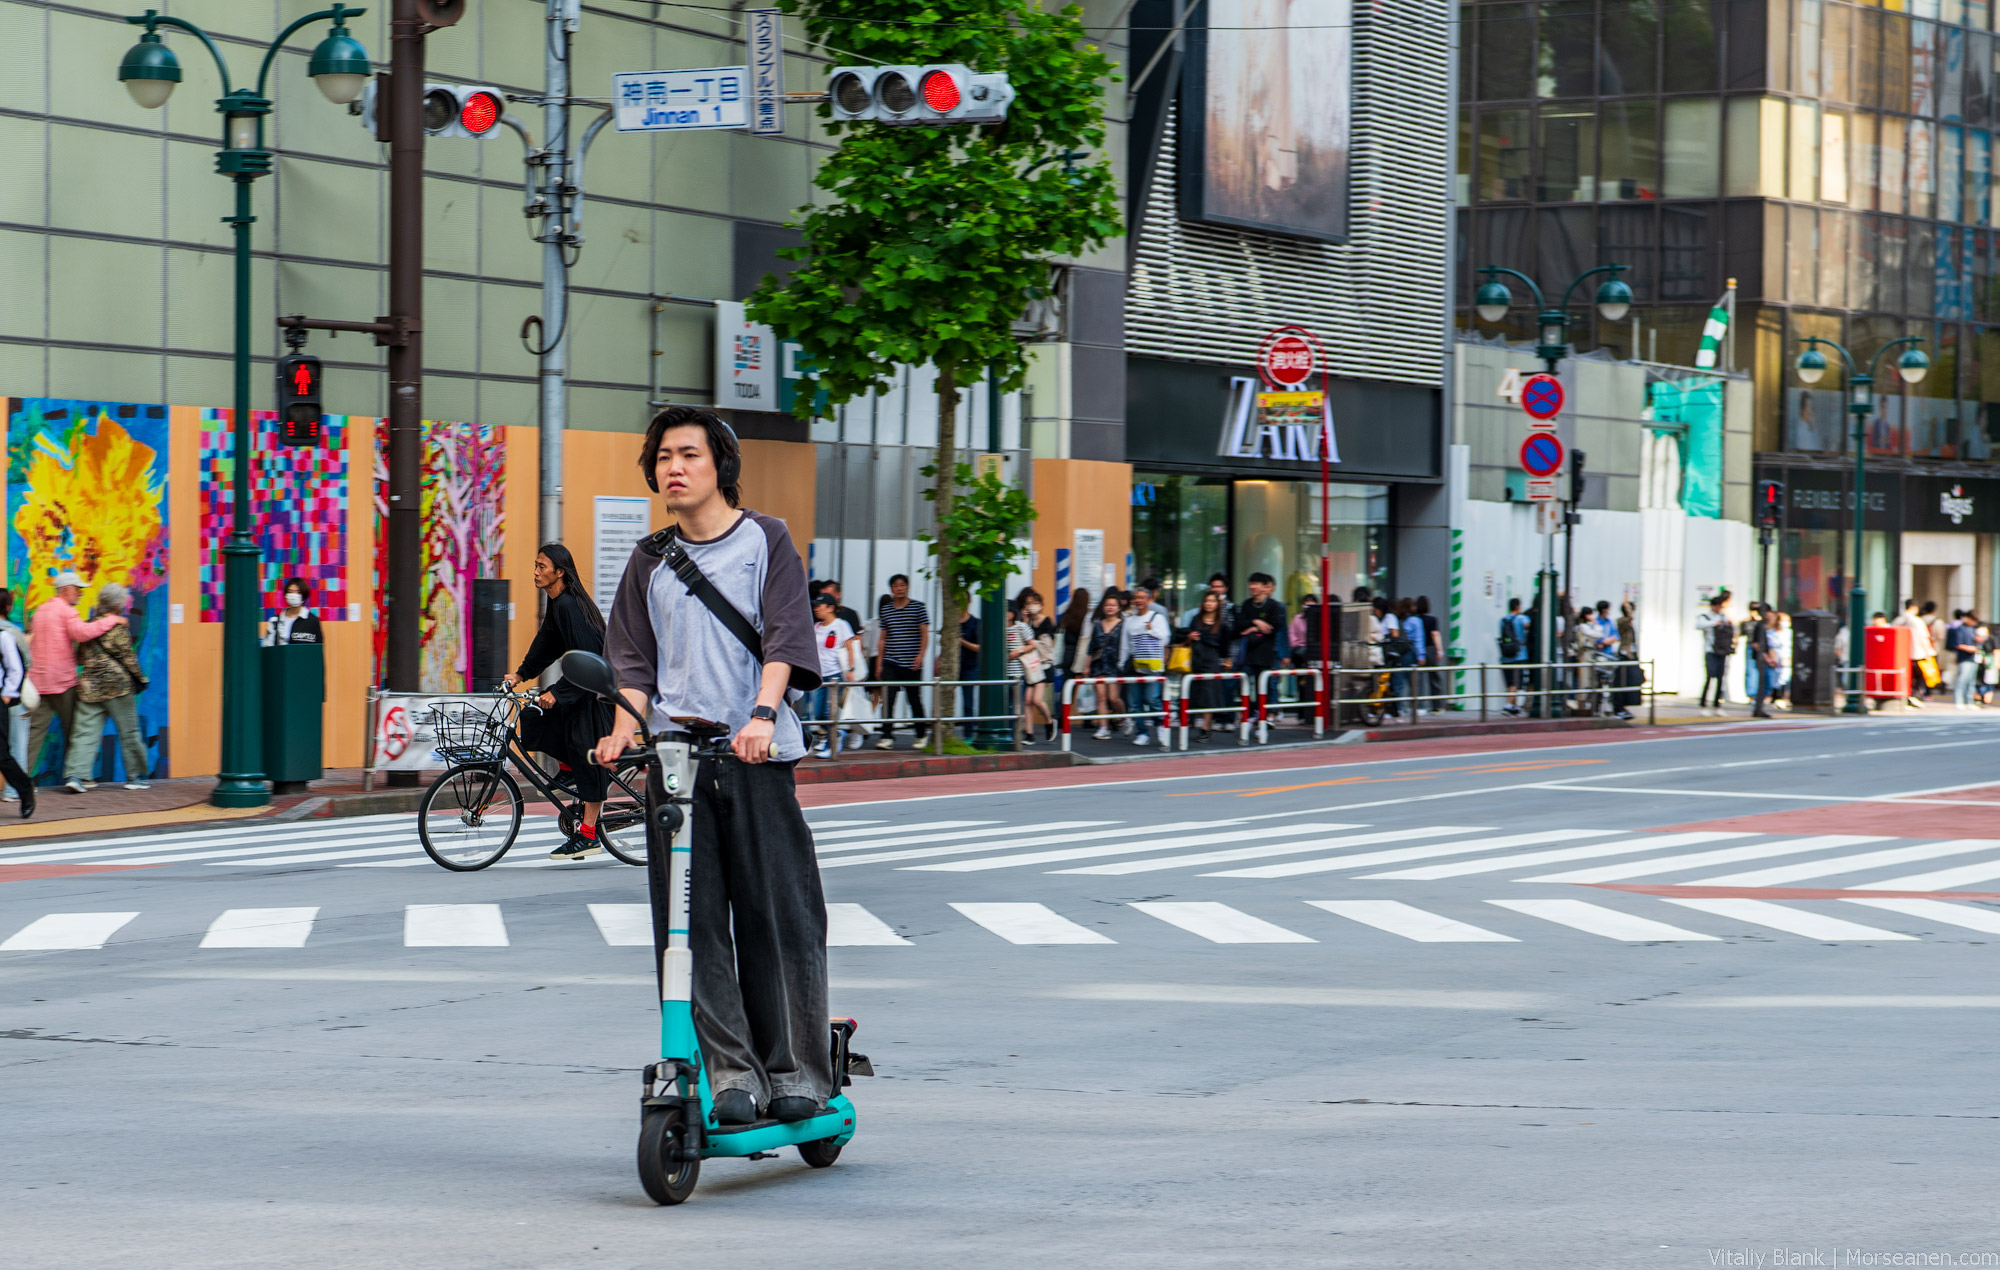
[[702, 589]]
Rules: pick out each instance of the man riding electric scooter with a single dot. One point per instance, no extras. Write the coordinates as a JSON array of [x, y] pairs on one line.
[[712, 622]]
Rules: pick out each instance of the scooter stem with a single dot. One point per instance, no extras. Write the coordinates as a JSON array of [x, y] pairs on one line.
[[677, 1036]]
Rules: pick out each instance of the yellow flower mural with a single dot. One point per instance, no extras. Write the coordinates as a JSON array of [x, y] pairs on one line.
[[93, 501]]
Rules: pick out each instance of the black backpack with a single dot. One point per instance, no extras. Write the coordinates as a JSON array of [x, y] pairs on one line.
[[1510, 643]]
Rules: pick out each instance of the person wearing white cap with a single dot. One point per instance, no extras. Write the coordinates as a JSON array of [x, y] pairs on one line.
[[52, 640]]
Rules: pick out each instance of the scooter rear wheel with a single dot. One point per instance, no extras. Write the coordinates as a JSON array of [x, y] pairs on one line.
[[821, 1153], [666, 1179]]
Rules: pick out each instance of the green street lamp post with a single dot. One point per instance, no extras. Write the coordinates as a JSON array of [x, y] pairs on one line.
[[1492, 301], [149, 71], [1811, 365]]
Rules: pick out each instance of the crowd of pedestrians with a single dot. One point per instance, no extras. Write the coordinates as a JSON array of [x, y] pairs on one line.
[[1961, 656], [1122, 645]]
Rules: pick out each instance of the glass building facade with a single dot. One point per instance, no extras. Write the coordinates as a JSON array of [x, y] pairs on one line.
[[1836, 161]]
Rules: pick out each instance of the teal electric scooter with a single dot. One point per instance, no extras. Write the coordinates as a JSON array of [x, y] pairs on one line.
[[677, 1126]]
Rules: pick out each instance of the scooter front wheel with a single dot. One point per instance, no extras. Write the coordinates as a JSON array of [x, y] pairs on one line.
[[667, 1180]]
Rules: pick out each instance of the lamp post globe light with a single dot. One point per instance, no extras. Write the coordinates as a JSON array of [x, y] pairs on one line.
[[1493, 300], [150, 71], [1811, 367]]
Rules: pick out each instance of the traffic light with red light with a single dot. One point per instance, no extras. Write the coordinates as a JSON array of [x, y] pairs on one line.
[[299, 399], [450, 110], [1770, 504], [908, 96]]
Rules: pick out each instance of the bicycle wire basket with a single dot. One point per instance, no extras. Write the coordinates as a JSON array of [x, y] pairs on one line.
[[468, 732]]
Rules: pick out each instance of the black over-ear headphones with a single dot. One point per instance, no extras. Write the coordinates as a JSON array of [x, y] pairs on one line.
[[728, 471]]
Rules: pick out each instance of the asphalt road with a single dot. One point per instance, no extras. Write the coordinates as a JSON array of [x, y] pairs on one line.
[[1181, 1021]]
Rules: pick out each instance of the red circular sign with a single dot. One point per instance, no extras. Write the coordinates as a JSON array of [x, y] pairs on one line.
[[395, 732], [1542, 396], [1541, 455], [1288, 358]]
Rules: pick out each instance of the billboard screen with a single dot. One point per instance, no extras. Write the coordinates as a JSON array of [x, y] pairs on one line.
[[1266, 115]]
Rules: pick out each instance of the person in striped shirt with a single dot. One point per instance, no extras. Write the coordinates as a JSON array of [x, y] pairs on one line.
[[906, 636]]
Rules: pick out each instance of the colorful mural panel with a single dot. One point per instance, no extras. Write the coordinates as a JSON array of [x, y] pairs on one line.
[[87, 490], [298, 495], [463, 504]]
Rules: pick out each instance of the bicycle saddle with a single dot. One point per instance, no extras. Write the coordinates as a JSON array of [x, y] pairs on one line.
[[700, 729]]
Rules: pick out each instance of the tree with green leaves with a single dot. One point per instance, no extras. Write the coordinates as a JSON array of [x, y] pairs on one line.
[[937, 238]]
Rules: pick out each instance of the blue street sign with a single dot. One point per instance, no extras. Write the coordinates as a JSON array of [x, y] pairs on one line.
[[1541, 455]]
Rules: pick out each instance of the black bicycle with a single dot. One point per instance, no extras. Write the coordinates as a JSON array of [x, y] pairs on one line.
[[471, 815]]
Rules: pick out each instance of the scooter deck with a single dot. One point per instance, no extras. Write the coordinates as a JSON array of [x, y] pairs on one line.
[[836, 1122]]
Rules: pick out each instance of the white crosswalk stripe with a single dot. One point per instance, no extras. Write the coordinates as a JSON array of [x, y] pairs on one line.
[[273, 837], [1050, 840], [1631, 846], [1983, 919], [1027, 833], [934, 826], [1598, 920], [852, 926], [1794, 920], [1787, 873], [1299, 868], [1030, 924], [62, 931], [1702, 859], [261, 928], [453, 926], [1411, 922], [1369, 859], [1123, 848], [1938, 880], [624, 925], [1219, 923], [1283, 848]]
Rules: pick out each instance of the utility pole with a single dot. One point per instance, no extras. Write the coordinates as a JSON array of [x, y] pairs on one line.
[[405, 106], [552, 202]]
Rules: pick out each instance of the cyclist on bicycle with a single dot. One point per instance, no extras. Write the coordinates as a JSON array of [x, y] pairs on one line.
[[723, 632], [571, 720]]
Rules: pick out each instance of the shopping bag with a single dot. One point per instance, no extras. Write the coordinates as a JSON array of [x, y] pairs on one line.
[[856, 710], [1180, 659], [1085, 700], [1929, 667]]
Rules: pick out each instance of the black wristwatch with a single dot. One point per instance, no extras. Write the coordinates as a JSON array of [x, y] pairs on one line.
[[764, 713]]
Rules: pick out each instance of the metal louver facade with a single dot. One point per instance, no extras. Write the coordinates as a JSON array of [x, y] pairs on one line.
[[1208, 293]]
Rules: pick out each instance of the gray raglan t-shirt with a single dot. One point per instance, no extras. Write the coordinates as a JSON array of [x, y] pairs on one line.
[[664, 641]]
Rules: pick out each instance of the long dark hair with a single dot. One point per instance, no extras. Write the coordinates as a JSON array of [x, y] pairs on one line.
[[1077, 614], [565, 567]]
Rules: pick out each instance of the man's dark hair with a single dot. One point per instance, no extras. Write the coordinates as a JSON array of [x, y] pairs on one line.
[[1214, 578], [1264, 578], [723, 447], [1514, 605], [1361, 594], [894, 578], [832, 587]]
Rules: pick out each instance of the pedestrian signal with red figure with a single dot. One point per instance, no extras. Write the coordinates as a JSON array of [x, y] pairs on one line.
[[299, 403]]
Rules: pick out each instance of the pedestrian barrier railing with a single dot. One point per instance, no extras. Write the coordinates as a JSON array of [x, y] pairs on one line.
[[838, 698], [1264, 681], [1549, 689], [1243, 709], [1169, 698]]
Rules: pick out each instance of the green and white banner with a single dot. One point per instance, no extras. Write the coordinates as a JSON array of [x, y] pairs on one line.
[[1714, 329]]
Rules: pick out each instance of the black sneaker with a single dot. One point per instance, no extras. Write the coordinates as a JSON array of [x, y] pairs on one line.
[[735, 1106], [577, 848], [793, 1108]]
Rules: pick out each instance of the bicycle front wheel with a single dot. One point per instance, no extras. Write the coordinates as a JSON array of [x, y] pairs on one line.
[[470, 817]]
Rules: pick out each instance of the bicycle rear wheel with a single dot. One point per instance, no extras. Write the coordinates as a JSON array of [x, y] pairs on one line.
[[470, 817]]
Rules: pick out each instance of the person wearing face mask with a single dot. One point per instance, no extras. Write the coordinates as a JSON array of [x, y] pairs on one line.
[[295, 623], [1030, 652]]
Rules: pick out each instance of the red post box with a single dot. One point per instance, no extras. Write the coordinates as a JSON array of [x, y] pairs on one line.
[[1885, 665]]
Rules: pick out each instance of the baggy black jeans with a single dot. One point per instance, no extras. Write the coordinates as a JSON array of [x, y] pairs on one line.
[[758, 934]]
